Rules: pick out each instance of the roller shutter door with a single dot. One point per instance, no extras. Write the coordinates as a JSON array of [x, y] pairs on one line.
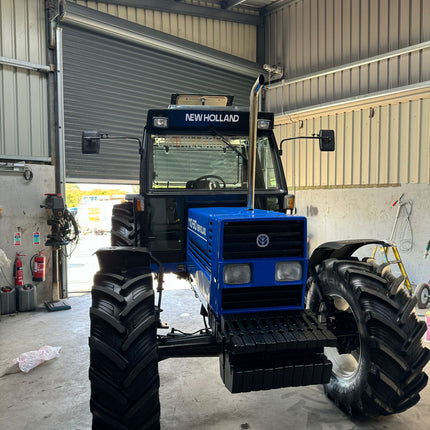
[[109, 84]]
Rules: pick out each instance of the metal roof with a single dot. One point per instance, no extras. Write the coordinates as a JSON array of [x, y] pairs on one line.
[[223, 9]]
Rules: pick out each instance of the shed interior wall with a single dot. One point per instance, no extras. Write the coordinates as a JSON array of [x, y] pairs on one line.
[[361, 68], [306, 36], [23, 102], [362, 213], [233, 38], [332, 50], [380, 142], [20, 201]]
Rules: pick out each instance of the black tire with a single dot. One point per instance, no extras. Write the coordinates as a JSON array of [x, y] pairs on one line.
[[377, 368], [123, 351], [123, 231], [422, 294]]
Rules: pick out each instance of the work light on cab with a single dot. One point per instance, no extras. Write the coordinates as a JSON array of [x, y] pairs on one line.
[[160, 122], [264, 124]]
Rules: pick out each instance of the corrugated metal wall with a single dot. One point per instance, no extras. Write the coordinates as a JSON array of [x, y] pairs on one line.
[[354, 35], [352, 57], [23, 101], [395, 72], [386, 146], [229, 37], [311, 35]]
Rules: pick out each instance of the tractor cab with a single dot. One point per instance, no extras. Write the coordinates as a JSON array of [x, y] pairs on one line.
[[197, 156]]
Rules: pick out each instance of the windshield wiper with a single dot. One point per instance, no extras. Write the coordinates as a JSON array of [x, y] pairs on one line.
[[229, 144]]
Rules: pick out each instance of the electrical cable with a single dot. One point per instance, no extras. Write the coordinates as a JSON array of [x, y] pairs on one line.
[[69, 230], [404, 234]]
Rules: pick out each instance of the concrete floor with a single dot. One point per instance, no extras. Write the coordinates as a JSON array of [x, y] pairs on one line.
[[55, 395]]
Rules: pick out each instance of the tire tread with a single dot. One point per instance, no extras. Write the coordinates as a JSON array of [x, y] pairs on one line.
[[390, 334], [123, 352]]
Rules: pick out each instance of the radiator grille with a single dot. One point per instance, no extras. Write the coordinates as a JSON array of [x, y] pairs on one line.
[[200, 256], [286, 239], [262, 297]]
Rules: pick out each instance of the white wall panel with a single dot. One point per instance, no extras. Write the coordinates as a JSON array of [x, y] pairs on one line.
[[23, 101], [229, 37], [390, 147]]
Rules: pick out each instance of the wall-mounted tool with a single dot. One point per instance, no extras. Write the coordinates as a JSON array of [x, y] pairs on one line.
[[64, 227]]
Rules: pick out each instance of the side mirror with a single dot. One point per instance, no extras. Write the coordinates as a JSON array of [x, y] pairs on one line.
[[326, 139], [90, 142]]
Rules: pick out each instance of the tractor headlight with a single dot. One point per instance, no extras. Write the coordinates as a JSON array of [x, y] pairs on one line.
[[288, 271], [237, 274]]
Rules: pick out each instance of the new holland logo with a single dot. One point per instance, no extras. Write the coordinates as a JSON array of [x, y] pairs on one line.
[[262, 240]]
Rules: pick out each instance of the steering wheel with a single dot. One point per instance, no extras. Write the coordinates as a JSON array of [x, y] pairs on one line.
[[218, 183]]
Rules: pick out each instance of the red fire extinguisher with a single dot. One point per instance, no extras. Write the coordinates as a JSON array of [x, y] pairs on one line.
[[39, 267], [18, 274]]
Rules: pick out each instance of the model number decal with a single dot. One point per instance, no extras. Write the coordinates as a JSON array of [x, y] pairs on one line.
[[211, 117], [194, 225]]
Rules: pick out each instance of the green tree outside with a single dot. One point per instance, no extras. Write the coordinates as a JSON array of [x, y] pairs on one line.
[[73, 195]]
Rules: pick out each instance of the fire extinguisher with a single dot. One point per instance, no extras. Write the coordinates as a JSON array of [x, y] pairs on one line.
[[38, 268], [18, 273]]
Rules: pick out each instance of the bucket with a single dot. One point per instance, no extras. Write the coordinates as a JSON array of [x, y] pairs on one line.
[[7, 300], [27, 298]]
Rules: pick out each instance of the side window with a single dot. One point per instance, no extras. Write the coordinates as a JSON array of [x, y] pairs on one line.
[[267, 174]]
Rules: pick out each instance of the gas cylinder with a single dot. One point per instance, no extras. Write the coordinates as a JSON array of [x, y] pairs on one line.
[[39, 267], [18, 273]]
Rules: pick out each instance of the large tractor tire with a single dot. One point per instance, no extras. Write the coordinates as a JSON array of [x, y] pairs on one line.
[[123, 347], [123, 231], [379, 358]]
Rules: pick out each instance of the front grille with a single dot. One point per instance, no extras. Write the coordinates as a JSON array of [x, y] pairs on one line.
[[286, 239], [261, 297]]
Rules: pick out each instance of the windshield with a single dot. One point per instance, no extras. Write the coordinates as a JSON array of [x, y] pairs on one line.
[[209, 162]]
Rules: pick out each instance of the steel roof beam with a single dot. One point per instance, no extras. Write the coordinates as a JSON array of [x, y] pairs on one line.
[[190, 9], [228, 4], [113, 26]]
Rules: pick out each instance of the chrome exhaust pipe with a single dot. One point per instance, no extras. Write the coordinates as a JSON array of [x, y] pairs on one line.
[[252, 145]]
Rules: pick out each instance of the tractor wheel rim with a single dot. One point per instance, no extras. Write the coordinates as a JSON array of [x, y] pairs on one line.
[[345, 366], [424, 295]]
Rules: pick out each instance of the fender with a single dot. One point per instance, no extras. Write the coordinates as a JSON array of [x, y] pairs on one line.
[[340, 249]]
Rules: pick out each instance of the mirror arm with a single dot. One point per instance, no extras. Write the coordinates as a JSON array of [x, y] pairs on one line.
[[294, 138], [107, 137]]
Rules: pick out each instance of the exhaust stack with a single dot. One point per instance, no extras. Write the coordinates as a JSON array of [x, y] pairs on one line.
[[253, 114]]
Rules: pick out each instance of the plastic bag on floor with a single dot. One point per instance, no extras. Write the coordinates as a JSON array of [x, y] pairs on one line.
[[29, 360]]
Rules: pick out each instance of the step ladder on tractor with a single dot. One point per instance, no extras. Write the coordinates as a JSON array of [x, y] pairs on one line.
[[422, 290]]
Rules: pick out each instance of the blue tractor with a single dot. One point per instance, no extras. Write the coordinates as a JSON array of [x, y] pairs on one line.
[[214, 209]]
